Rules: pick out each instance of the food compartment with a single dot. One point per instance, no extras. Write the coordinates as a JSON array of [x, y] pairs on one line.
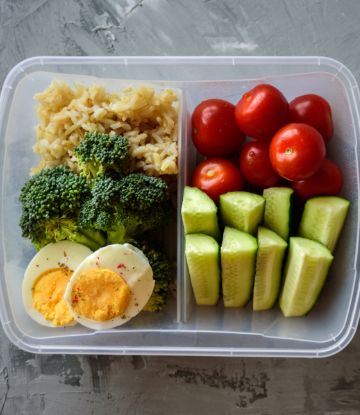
[[328, 319], [18, 251]]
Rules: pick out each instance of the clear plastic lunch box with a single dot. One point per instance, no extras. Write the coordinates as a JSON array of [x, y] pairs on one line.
[[183, 328]]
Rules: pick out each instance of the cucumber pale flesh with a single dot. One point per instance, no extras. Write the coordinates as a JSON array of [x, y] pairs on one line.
[[305, 273], [242, 210], [238, 253], [323, 219], [278, 210], [199, 213], [203, 259], [269, 262]]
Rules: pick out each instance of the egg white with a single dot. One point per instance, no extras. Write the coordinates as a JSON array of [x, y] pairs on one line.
[[65, 253], [137, 273]]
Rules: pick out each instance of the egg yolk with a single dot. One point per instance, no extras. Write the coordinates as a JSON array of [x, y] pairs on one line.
[[48, 295], [100, 294]]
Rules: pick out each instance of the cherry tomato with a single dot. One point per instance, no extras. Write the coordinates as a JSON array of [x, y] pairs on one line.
[[297, 151], [327, 181], [315, 111], [214, 130], [261, 112], [255, 165], [217, 176]]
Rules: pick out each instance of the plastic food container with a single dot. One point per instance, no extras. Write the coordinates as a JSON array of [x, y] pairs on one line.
[[184, 328]]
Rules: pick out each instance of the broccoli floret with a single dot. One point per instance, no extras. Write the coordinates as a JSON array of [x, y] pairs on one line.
[[50, 203], [94, 216], [100, 153], [162, 274], [144, 204], [126, 208], [99, 210]]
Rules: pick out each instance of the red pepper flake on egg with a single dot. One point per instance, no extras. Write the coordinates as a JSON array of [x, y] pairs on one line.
[[121, 266]]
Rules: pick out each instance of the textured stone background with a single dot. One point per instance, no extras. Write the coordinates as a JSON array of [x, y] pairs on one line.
[[31, 384]]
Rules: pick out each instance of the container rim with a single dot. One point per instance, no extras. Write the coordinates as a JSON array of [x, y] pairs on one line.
[[25, 65]]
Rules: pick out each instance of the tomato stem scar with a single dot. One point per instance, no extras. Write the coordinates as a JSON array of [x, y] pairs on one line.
[[195, 130], [210, 173], [288, 151], [249, 98]]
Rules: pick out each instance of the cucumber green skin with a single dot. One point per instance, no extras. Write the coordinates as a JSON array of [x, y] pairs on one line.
[[307, 228], [203, 258], [274, 226], [280, 247], [233, 216], [310, 309], [314, 292], [199, 213], [286, 253], [237, 291]]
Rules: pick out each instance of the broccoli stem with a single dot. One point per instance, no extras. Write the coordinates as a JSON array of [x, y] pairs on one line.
[[120, 235], [92, 239]]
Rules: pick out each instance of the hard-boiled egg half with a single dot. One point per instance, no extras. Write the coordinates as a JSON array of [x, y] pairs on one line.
[[109, 287], [45, 281]]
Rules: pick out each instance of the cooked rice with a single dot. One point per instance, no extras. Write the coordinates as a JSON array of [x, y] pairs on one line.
[[149, 121]]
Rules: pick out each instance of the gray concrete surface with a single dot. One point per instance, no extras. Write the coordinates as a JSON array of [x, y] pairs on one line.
[[36, 384]]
